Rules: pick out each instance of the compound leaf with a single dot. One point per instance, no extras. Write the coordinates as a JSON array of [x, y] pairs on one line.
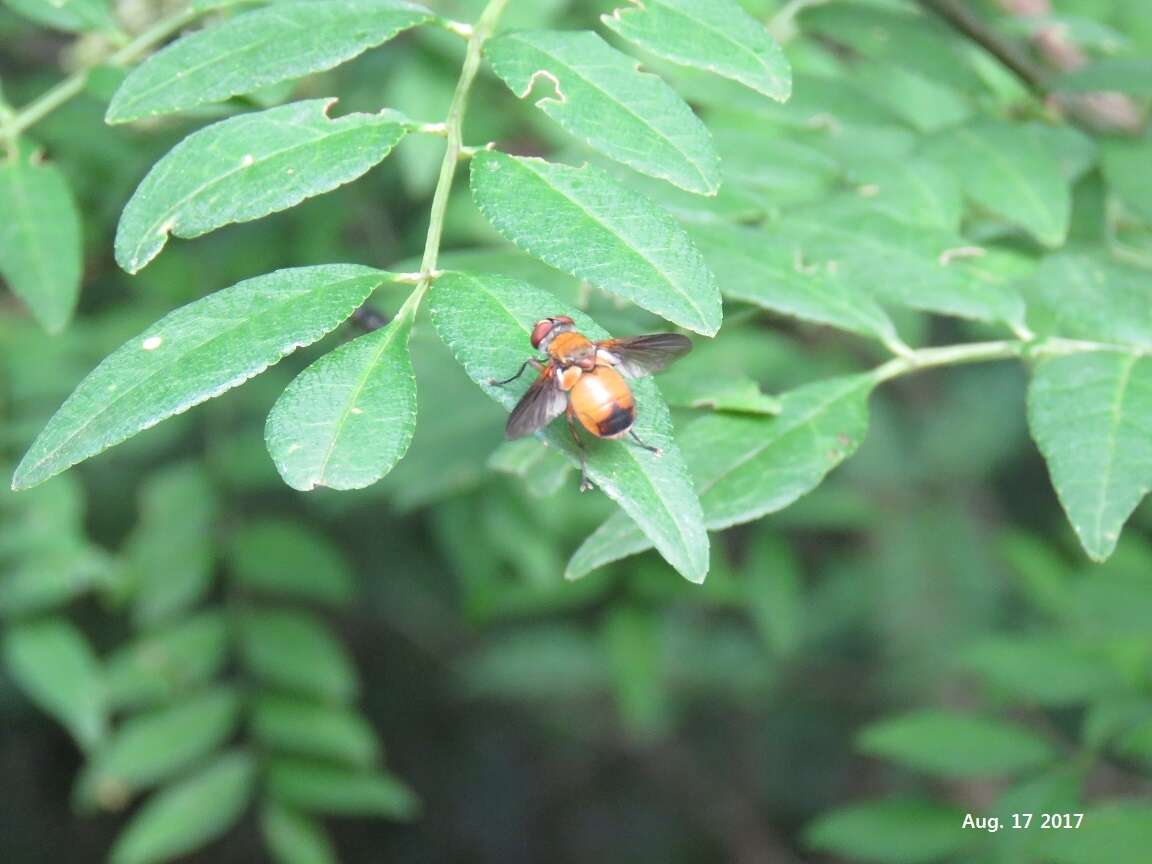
[[601, 97]]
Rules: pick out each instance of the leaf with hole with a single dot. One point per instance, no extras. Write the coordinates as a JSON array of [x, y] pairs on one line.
[[599, 95], [194, 354], [581, 221], [486, 321], [347, 419], [258, 48]]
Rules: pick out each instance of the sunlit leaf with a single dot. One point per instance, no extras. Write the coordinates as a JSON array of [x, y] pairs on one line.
[[1091, 415], [183, 817], [40, 242], [349, 417], [486, 320], [55, 666], [258, 48], [1127, 167], [601, 97], [717, 36], [194, 354], [583, 222], [956, 745], [246, 167], [745, 467]]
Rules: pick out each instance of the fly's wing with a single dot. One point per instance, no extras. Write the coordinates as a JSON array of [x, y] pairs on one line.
[[643, 355], [540, 405]]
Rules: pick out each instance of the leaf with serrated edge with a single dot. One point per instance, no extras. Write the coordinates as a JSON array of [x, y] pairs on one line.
[[246, 167], [194, 354], [748, 467], [486, 320], [258, 48], [717, 36], [349, 417], [41, 253], [1091, 415], [600, 96], [1009, 170], [583, 222]]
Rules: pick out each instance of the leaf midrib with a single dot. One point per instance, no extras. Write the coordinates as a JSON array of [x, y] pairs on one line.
[[1115, 417], [640, 253], [216, 334]]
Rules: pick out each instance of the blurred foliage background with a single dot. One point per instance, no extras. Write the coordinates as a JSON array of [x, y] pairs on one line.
[[919, 638]]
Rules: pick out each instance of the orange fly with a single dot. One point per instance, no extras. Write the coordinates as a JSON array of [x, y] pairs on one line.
[[585, 380]]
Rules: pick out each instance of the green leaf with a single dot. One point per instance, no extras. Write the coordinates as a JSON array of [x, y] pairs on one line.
[[294, 650], [583, 222], [1127, 167], [1126, 74], [289, 559], [1008, 169], [246, 167], [318, 788], [757, 267], [1083, 296], [46, 580], [152, 747], [308, 729], [258, 48], [168, 663], [347, 419], [956, 745], [892, 831], [170, 551], [1115, 832], [912, 190], [895, 261], [717, 36], [194, 354], [485, 321], [747, 467], [631, 641], [543, 470], [74, 16], [1091, 415], [601, 97], [1039, 669], [54, 665], [41, 252], [292, 838], [184, 817]]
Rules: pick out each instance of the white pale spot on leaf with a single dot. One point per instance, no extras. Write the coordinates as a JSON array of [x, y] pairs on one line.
[[152, 343]]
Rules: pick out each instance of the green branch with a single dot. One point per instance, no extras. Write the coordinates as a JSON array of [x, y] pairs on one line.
[[74, 84]]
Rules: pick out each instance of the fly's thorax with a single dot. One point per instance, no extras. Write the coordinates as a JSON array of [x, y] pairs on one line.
[[569, 348]]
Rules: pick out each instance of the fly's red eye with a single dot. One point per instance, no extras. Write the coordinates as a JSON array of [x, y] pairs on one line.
[[540, 331]]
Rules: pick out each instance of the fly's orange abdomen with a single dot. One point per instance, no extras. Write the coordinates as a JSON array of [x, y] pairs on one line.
[[602, 402]]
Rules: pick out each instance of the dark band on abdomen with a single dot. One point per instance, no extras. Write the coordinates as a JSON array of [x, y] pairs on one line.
[[617, 422]]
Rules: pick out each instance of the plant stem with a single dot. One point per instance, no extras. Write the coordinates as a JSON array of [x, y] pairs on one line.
[[454, 124], [74, 84]]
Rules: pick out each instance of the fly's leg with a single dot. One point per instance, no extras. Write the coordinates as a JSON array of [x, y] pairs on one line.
[[532, 361], [656, 450], [585, 483]]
